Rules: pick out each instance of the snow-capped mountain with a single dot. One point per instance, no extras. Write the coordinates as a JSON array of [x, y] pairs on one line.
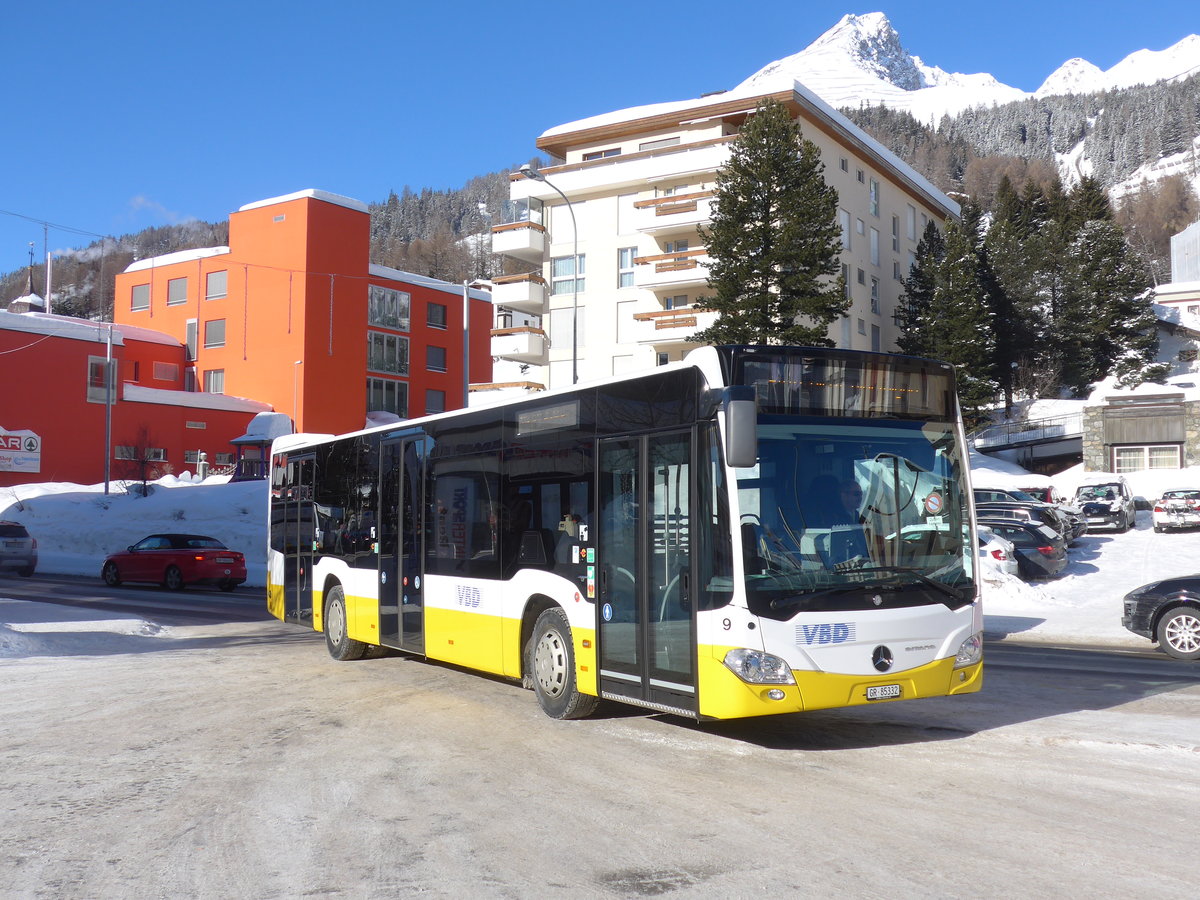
[[861, 60]]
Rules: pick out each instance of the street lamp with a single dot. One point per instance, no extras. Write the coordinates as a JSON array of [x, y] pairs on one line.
[[533, 174], [295, 392]]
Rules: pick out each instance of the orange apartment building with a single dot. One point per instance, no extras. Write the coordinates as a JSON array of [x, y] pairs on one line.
[[294, 314], [53, 398]]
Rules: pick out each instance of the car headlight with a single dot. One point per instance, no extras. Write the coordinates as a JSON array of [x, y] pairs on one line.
[[970, 651], [757, 667]]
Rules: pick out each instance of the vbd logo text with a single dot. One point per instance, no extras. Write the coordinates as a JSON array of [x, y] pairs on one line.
[[828, 633]]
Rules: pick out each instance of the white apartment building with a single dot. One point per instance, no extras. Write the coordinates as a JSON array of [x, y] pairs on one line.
[[639, 183]]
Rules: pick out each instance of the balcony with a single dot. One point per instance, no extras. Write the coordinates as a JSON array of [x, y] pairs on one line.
[[521, 240], [524, 344], [669, 271], [677, 214], [670, 327], [526, 293]]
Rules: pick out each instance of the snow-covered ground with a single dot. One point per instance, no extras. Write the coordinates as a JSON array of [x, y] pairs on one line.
[[76, 526]]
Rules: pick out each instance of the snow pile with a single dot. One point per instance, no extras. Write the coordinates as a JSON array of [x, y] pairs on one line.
[[44, 629]]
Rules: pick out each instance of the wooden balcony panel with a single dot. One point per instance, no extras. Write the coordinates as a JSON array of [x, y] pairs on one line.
[[533, 277], [519, 329], [677, 265], [674, 198], [664, 257], [681, 322], [516, 226], [675, 208]]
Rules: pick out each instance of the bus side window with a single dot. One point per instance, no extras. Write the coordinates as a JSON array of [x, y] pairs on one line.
[[466, 518]]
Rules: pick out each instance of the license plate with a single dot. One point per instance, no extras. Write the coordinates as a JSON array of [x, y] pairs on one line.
[[225, 559], [883, 692]]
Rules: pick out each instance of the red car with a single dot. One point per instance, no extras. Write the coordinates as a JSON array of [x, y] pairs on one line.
[[177, 560]]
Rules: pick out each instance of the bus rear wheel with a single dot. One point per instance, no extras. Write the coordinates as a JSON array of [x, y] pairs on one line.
[[552, 665], [341, 646]]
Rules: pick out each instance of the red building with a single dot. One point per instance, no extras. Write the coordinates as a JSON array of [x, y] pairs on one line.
[[294, 314], [53, 402]]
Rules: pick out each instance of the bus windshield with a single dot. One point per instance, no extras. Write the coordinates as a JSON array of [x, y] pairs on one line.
[[863, 513]]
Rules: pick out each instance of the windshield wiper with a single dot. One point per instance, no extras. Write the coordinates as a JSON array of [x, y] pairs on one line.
[[811, 596], [921, 577]]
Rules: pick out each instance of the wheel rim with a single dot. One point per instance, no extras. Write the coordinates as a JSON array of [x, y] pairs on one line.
[[110, 574], [550, 663], [174, 578], [335, 621], [1183, 633]]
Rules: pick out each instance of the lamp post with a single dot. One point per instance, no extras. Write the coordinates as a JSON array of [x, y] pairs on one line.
[[295, 392], [533, 174]]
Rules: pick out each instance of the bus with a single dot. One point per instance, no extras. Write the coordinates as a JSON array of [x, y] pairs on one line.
[[753, 530]]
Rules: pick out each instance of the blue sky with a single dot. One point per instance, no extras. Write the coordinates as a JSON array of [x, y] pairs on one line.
[[123, 115]]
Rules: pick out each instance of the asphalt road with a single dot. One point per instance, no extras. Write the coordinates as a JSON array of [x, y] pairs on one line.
[[230, 757]]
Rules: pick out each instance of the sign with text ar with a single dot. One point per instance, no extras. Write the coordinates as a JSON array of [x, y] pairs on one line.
[[20, 451]]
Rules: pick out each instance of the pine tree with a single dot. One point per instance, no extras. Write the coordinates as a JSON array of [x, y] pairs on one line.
[[916, 310], [774, 239]]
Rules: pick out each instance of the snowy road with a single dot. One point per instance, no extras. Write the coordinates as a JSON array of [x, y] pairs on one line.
[[237, 760]]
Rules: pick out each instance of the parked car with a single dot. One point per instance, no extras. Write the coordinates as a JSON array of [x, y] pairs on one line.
[[18, 550], [1176, 509], [1167, 612], [177, 560], [997, 552], [1107, 502], [1041, 551], [1029, 512], [1072, 515]]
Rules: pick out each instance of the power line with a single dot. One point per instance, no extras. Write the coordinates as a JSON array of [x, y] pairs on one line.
[[67, 228]]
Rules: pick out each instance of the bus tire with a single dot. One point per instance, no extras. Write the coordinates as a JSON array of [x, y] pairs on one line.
[[341, 646], [552, 664]]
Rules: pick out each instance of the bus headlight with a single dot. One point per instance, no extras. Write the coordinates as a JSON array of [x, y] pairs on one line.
[[757, 667], [970, 651]]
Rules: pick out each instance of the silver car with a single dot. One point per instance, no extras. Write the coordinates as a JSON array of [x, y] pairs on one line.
[[997, 552], [17, 549]]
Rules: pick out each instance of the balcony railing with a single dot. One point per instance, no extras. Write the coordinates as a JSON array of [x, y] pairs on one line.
[[522, 240], [526, 292], [1036, 431], [670, 326], [677, 214], [523, 344], [672, 270]]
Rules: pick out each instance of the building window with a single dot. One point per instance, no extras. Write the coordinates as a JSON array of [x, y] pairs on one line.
[[214, 333], [845, 164], [1153, 456], [895, 234], [912, 223], [122, 451], [97, 392], [215, 285], [862, 177], [844, 221], [846, 280], [896, 270], [563, 278], [435, 359], [387, 396], [873, 197], [141, 297], [676, 246], [601, 154], [435, 401], [214, 381], [874, 295], [862, 277], [874, 246], [1194, 309], [860, 226], [862, 326], [876, 343], [156, 454], [176, 291], [387, 353], [561, 332], [625, 257], [191, 457], [164, 371], [435, 315], [678, 301], [662, 359], [660, 143], [191, 333], [387, 308], [222, 459]]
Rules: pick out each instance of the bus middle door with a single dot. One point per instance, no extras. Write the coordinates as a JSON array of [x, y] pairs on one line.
[[401, 583], [645, 627]]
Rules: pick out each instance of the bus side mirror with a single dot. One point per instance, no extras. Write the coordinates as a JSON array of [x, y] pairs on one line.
[[741, 426]]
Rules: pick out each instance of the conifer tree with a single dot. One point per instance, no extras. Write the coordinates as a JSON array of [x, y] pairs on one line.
[[774, 239]]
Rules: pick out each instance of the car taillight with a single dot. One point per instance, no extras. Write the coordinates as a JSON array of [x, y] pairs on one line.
[[1000, 554], [1046, 551], [1158, 507], [200, 557]]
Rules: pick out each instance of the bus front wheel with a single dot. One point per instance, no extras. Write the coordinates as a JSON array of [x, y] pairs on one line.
[[552, 665], [341, 646]]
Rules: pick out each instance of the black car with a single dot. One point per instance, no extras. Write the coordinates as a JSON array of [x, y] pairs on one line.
[[1107, 504], [1073, 518], [1168, 612], [1041, 551], [1041, 513]]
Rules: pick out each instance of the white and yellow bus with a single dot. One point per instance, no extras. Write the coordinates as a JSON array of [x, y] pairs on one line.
[[751, 531]]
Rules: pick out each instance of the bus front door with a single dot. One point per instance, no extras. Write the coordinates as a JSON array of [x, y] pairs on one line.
[[299, 525], [401, 588], [646, 631]]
